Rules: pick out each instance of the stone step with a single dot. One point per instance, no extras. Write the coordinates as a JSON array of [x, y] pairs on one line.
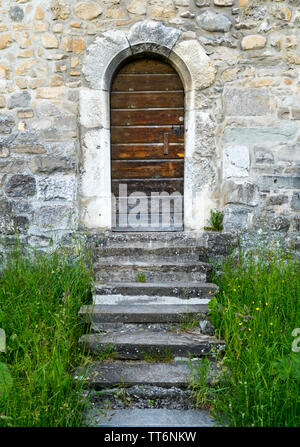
[[177, 289], [121, 373], [119, 270], [138, 253], [131, 312], [134, 345], [149, 417]]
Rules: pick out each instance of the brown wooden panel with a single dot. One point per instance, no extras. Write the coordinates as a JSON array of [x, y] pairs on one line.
[[146, 134], [147, 66], [146, 169], [125, 188], [139, 100], [146, 82], [146, 117], [144, 151]]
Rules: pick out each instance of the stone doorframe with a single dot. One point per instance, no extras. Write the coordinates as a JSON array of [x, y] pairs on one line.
[[103, 57]]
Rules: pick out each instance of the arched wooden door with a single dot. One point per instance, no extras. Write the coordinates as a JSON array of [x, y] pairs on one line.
[[147, 147]]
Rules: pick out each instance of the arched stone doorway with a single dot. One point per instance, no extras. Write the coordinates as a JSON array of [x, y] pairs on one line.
[[104, 57], [147, 146]]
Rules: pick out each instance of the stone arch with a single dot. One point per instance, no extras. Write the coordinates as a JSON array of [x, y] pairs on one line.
[[104, 56]]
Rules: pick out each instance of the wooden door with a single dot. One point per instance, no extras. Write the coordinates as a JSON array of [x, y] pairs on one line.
[[147, 147]]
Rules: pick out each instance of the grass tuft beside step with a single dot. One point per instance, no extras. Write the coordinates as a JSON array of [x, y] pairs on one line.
[[255, 312], [39, 303]]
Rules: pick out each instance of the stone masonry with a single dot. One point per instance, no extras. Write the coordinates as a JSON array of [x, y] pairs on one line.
[[243, 123]]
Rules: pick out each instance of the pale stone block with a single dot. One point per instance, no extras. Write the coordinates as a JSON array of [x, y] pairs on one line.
[[94, 108], [195, 67], [103, 57], [236, 161], [87, 10], [253, 42]]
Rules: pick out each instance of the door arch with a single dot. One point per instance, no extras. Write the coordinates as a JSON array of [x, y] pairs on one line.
[[147, 147]]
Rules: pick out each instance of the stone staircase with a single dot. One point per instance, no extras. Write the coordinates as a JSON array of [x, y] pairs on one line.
[[141, 344]]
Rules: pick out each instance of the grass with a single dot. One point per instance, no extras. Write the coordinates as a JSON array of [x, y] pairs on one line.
[[141, 277], [157, 355], [256, 312], [39, 302]]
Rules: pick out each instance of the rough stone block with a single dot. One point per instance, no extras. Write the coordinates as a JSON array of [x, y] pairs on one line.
[[87, 10], [237, 218], [58, 187], [6, 124], [211, 20], [242, 193], [94, 108], [253, 42], [20, 186], [19, 100], [247, 102], [278, 223], [236, 161], [283, 133], [271, 182], [157, 35], [59, 217], [104, 56], [49, 165], [296, 201]]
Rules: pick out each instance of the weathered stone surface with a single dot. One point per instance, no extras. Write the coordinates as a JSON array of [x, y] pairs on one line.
[[155, 33], [236, 161], [94, 108], [211, 20], [58, 217], [49, 165], [237, 218], [197, 71], [5, 40], [278, 223], [49, 41], [243, 193], [160, 9], [263, 155], [60, 10], [58, 187], [20, 186], [223, 2], [16, 13], [6, 124], [248, 102], [253, 42], [28, 148], [138, 7], [279, 199], [284, 133], [295, 204], [19, 100], [4, 152], [269, 182], [87, 10], [108, 50]]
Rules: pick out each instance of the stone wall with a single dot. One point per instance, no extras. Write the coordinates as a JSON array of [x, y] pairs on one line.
[[248, 118]]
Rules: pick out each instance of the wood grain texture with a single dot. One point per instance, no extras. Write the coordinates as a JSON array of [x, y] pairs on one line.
[[124, 169], [147, 117], [142, 100], [145, 151], [147, 144]]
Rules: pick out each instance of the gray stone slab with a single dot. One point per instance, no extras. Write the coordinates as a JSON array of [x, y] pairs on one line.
[[133, 345], [141, 313], [179, 289], [120, 300], [101, 374], [151, 418]]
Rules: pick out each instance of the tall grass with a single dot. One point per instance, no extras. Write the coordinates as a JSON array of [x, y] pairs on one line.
[[255, 312], [39, 301]]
